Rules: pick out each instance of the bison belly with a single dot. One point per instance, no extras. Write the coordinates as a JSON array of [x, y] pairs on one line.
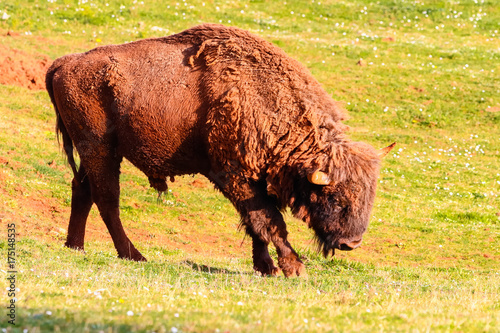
[[165, 136]]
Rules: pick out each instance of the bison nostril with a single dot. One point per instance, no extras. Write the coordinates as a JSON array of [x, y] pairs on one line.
[[348, 246]]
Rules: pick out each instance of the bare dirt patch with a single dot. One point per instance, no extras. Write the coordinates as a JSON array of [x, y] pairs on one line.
[[23, 69]]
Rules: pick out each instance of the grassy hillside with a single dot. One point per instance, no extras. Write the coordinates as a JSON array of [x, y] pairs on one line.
[[423, 74]]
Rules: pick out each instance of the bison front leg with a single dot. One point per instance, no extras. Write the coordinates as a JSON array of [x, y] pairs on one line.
[[262, 261], [267, 223], [288, 259], [264, 223]]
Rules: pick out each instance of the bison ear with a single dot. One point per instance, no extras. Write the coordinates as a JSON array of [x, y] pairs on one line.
[[319, 178], [384, 151]]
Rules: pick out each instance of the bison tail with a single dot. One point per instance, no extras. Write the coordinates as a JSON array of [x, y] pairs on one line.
[[61, 130]]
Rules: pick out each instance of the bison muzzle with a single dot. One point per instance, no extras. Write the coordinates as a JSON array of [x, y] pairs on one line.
[[229, 105]]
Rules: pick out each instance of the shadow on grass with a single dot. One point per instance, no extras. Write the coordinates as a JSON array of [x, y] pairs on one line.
[[213, 270]]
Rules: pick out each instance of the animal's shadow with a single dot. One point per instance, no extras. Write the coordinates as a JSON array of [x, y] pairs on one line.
[[213, 270]]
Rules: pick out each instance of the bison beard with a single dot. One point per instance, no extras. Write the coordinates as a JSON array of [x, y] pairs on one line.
[[224, 103]]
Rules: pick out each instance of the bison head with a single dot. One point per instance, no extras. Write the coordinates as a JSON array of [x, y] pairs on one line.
[[336, 203]]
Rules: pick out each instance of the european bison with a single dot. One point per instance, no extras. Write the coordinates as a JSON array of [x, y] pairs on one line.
[[229, 105]]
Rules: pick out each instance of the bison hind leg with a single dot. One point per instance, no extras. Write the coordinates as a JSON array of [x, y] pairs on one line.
[[81, 203], [104, 176]]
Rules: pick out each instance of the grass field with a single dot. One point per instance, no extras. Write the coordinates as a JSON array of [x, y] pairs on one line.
[[422, 73]]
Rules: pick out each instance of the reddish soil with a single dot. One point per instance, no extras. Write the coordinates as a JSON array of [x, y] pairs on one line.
[[388, 39], [199, 183], [23, 69], [493, 109]]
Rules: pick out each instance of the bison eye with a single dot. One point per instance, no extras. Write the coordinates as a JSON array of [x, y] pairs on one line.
[[314, 197]]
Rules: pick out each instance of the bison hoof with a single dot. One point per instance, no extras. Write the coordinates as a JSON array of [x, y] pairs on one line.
[[78, 247], [133, 258], [141, 258], [292, 267], [132, 254], [267, 271]]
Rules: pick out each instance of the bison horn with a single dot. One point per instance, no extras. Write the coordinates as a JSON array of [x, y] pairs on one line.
[[384, 151], [319, 178]]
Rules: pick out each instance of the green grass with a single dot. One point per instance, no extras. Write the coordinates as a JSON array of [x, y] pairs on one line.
[[207, 294], [430, 260]]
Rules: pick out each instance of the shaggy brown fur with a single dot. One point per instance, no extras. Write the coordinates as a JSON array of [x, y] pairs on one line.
[[224, 103]]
